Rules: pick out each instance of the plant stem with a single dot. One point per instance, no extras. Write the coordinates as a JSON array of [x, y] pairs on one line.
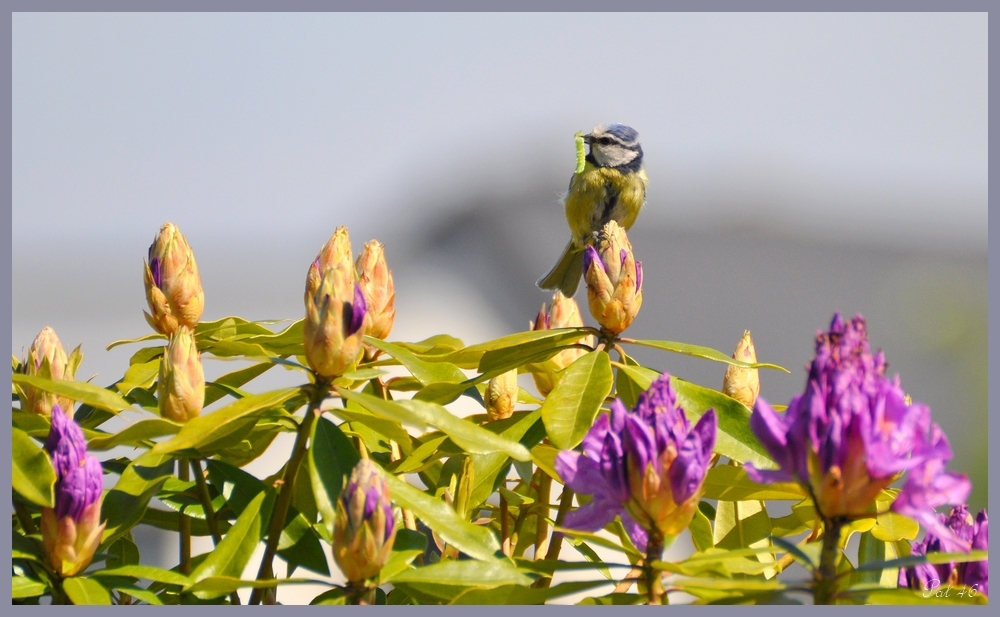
[[541, 525], [504, 526], [565, 502], [287, 490], [626, 583], [183, 522], [826, 576], [652, 576], [210, 518]]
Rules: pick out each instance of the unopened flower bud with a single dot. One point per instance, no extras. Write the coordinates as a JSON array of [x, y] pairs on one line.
[[501, 396], [72, 530], [173, 286], [334, 326], [614, 279], [335, 253], [47, 359], [182, 378], [364, 529], [743, 384], [375, 280], [565, 313]]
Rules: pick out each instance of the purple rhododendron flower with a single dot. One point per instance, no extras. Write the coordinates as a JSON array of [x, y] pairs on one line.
[[72, 530], [853, 432], [79, 478], [646, 465], [973, 533]]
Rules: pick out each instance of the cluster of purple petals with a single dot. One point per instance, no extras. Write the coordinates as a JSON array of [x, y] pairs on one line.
[[975, 574], [356, 317], [638, 437], [79, 479], [849, 407]]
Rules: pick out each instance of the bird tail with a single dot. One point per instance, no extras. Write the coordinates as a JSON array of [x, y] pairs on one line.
[[566, 273]]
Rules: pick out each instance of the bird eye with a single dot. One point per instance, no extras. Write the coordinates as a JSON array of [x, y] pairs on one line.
[[604, 141]]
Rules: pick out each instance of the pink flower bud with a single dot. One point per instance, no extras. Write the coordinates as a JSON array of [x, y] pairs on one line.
[[182, 378], [47, 359], [173, 286]]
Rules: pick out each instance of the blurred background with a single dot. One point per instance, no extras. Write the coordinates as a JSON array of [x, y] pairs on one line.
[[799, 165]]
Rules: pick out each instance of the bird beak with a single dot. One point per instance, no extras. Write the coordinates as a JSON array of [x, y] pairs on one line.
[[587, 138]]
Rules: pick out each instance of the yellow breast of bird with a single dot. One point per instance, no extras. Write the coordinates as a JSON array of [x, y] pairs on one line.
[[601, 194]]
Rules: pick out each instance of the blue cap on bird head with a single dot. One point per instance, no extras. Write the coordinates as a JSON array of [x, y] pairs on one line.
[[621, 131]]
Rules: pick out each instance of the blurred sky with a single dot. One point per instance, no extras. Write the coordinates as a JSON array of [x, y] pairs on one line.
[[872, 125]]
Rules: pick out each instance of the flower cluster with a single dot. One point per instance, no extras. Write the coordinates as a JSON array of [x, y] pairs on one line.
[[974, 574], [173, 285], [72, 530], [47, 359], [614, 279], [335, 310], [646, 465], [365, 528], [853, 432]]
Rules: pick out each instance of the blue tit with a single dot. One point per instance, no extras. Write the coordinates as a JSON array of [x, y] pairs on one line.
[[611, 187]]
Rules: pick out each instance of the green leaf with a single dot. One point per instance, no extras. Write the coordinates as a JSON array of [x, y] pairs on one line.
[[299, 545], [32, 472], [217, 586], [534, 346], [426, 372], [870, 550], [890, 526], [141, 594], [597, 540], [729, 483], [338, 596], [150, 573], [135, 434], [141, 339], [475, 541], [84, 591], [436, 579], [437, 345], [24, 587], [140, 375], [570, 409], [214, 390], [237, 486], [231, 555], [701, 531], [517, 594], [162, 519], [122, 552], [218, 424], [94, 396], [389, 429], [473, 438], [331, 457], [123, 505], [405, 548], [491, 469], [390, 410], [744, 524], [703, 352], [23, 547], [420, 456], [470, 357]]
